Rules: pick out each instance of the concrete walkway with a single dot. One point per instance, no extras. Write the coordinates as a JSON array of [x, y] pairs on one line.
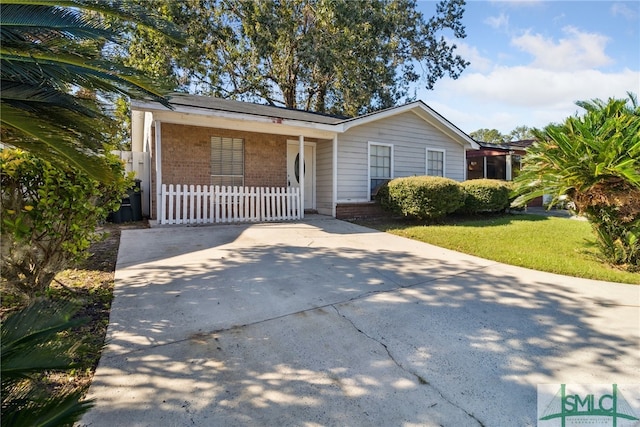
[[326, 323]]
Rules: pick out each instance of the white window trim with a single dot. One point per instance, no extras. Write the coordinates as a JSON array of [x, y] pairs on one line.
[[444, 160], [391, 171]]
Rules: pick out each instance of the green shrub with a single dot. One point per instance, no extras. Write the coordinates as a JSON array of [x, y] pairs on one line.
[[422, 197], [485, 195], [49, 217], [592, 162]]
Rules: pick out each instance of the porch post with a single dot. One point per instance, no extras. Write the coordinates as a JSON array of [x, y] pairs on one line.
[[508, 171], [484, 166], [301, 173], [158, 138], [334, 201]]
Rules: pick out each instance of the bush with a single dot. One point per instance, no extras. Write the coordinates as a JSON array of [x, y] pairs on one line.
[[485, 195], [422, 197], [49, 217], [591, 161]]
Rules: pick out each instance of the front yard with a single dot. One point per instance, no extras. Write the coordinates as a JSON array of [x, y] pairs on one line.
[[556, 245]]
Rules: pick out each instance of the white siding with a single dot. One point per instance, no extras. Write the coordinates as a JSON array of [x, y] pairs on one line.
[[409, 135], [324, 177]]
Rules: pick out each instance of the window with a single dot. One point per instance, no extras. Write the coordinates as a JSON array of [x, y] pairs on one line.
[[380, 161], [435, 162], [227, 161]]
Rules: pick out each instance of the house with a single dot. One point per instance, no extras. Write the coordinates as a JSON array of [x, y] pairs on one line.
[[498, 161], [216, 160]]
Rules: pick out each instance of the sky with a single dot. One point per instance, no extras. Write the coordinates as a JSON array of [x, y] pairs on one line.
[[532, 60]]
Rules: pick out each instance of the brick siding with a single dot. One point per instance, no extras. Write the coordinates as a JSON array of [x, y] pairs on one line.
[[360, 210], [186, 157]]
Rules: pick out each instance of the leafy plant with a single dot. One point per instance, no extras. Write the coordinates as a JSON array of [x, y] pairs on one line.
[[593, 161], [422, 197], [485, 195], [49, 217], [33, 342], [52, 72]]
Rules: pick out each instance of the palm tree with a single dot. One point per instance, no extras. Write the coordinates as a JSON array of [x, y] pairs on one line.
[[53, 75], [31, 344], [593, 161]]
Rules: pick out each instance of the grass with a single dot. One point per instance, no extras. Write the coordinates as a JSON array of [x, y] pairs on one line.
[[556, 245]]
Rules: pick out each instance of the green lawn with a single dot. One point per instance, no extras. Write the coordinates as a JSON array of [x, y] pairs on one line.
[[556, 245]]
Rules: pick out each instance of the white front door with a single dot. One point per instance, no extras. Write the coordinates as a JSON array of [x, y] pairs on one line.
[[293, 178]]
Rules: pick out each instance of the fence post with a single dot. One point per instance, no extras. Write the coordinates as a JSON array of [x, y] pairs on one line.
[[169, 213], [199, 196]]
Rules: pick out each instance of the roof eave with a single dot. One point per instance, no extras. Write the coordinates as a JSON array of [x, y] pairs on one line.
[[137, 105]]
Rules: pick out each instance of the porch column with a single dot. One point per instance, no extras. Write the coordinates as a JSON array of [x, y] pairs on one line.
[[484, 166], [507, 169], [158, 138], [301, 173], [334, 198]]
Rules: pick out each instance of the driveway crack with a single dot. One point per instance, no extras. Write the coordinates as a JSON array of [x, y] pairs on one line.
[[421, 380]]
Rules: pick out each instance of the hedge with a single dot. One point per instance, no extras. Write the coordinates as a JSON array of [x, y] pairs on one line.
[[485, 195], [422, 197]]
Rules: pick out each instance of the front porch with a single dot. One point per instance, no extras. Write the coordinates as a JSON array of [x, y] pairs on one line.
[[263, 177]]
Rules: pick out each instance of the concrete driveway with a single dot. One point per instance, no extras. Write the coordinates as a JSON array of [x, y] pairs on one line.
[[323, 322]]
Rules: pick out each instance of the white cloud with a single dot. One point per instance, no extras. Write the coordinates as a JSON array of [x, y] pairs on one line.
[[534, 87], [578, 50], [498, 22], [624, 11], [511, 96], [471, 54]]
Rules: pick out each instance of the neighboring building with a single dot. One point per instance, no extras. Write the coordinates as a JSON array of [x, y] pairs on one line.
[[499, 161], [332, 164], [496, 161]]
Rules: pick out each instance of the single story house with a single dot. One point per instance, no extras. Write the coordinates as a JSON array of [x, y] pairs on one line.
[[499, 161], [496, 161], [217, 160]]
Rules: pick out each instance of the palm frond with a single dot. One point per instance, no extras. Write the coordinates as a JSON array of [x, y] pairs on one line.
[[31, 344], [48, 51], [41, 24], [40, 99], [22, 129], [70, 69], [123, 9]]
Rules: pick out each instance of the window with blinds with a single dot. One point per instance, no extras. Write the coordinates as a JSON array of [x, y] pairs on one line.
[[380, 165], [227, 161], [435, 162]]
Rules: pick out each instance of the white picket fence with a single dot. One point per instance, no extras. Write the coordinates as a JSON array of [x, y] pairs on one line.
[[195, 204]]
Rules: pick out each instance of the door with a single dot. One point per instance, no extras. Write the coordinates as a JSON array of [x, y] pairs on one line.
[[293, 178]]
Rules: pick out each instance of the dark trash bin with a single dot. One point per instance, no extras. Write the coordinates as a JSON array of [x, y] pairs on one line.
[[130, 207], [135, 201]]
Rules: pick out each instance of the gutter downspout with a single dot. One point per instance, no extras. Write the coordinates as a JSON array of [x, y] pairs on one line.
[[158, 137]]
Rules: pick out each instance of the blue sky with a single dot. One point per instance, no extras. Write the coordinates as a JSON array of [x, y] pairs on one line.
[[531, 60]]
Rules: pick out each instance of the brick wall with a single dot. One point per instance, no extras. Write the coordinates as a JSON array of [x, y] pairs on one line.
[[360, 210], [186, 157]]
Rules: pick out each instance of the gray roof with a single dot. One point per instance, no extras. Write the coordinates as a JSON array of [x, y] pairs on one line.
[[218, 104]]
